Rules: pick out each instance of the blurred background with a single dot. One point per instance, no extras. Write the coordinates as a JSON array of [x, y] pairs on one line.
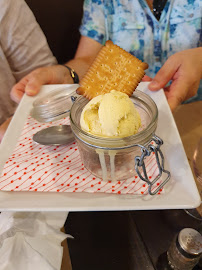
[[60, 21]]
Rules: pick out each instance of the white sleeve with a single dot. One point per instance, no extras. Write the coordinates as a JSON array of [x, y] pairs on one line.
[[22, 39]]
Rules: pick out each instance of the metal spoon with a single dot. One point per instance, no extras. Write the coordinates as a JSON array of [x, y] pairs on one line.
[[56, 135]]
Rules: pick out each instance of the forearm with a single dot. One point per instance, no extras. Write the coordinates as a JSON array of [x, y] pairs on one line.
[[85, 55], [80, 66]]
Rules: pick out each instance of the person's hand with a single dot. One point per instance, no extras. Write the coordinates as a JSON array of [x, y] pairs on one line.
[[86, 52], [185, 71], [32, 83], [3, 128]]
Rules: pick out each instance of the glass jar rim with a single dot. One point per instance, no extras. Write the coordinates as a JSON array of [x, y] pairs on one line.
[[139, 95]]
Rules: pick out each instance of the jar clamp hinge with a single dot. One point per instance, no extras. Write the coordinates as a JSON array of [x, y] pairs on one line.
[[139, 163]]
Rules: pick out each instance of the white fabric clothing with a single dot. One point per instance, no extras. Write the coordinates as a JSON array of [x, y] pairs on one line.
[[23, 48]]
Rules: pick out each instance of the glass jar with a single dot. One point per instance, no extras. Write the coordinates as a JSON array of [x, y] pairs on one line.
[[54, 105], [114, 158]]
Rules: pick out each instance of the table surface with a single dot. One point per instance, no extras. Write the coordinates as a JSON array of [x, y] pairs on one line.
[[188, 118], [130, 240], [133, 239]]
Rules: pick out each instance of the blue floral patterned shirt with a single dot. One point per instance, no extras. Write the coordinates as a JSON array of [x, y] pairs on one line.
[[132, 25]]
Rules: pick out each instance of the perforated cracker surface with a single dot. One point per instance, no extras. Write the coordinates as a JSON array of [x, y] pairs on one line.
[[113, 68]]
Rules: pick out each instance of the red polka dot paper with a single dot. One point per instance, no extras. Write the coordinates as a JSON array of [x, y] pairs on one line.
[[38, 168]]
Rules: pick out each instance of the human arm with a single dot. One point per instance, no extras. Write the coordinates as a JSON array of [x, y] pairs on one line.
[[92, 36], [58, 74], [23, 48], [184, 69]]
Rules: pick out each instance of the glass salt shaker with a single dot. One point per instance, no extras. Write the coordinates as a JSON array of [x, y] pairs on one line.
[[185, 250]]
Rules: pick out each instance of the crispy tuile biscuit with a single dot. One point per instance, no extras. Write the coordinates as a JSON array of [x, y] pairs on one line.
[[112, 69]]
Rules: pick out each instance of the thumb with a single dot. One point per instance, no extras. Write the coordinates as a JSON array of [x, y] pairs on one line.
[[177, 93], [164, 75], [33, 87], [35, 81], [26, 85], [30, 84]]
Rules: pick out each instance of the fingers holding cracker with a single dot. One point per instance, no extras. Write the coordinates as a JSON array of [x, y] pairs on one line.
[[144, 65]]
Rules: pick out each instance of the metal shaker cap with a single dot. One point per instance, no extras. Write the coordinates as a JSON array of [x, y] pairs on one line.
[[190, 241]]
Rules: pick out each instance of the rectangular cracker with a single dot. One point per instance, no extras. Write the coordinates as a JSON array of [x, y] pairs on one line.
[[112, 69]]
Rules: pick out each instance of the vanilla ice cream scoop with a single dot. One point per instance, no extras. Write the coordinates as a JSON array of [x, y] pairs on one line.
[[110, 115]]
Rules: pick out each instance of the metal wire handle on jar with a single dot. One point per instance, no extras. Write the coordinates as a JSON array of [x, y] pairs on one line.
[[139, 163]]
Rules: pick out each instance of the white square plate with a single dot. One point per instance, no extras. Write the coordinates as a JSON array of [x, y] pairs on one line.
[[180, 192]]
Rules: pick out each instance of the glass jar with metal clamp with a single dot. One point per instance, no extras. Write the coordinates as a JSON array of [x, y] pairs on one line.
[[118, 159]]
